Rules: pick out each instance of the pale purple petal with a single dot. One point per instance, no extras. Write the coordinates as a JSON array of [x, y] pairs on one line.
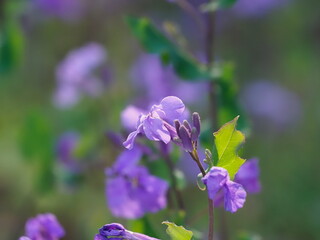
[[66, 96], [129, 143], [215, 179], [155, 130], [139, 236], [173, 108], [130, 117], [24, 238], [235, 196]]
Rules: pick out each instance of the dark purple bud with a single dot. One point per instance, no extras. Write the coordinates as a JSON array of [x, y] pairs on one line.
[[187, 125], [177, 125], [196, 122], [194, 134], [185, 138]]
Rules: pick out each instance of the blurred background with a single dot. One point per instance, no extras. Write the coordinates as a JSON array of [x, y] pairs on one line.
[[50, 49]]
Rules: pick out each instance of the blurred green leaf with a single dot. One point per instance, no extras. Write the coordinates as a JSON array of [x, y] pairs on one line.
[[11, 46], [227, 141], [155, 42], [37, 145], [36, 137], [228, 104], [160, 169], [218, 4], [177, 232]]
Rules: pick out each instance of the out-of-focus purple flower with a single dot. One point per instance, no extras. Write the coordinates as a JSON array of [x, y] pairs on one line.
[[65, 151], [158, 81], [65, 9], [157, 125], [256, 8], [130, 116], [130, 190], [271, 105], [249, 176], [43, 227], [218, 179], [116, 231], [76, 75]]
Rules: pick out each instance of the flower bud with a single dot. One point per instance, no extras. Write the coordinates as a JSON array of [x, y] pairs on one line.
[[196, 122], [185, 138]]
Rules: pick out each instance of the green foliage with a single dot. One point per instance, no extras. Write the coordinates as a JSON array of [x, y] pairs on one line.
[[37, 146], [36, 137], [228, 103], [177, 232], [218, 4], [155, 42], [11, 46], [227, 141]]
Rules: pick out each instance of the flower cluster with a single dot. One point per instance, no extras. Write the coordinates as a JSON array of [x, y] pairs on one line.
[[130, 190], [43, 227], [157, 124]]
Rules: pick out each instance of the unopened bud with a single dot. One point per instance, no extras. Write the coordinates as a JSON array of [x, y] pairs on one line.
[[196, 122], [185, 138]]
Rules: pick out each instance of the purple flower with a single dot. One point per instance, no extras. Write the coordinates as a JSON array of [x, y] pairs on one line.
[[116, 231], [65, 9], [75, 75], [65, 151], [271, 105], [130, 190], [157, 125], [158, 81], [218, 179], [43, 227], [256, 8], [248, 176]]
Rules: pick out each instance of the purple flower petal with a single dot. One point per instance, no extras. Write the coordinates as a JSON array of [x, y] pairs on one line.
[[127, 160], [235, 196], [215, 179], [118, 192], [132, 136], [130, 117], [173, 108], [155, 130]]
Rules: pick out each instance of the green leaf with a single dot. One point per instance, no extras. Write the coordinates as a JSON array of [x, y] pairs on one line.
[[177, 232], [218, 4], [227, 141], [156, 42], [228, 103]]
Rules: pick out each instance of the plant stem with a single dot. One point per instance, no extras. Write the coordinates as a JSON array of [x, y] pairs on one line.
[[209, 45], [171, 167], [195, 157]]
